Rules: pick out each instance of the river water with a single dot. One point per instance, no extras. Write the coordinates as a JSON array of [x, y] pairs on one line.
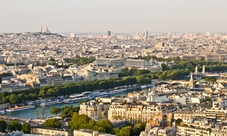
[[31, 113]]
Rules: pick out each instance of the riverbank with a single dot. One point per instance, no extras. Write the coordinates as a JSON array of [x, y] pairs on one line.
[[31, 113]]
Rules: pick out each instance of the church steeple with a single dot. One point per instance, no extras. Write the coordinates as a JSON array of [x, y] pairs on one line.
[[191, 82]]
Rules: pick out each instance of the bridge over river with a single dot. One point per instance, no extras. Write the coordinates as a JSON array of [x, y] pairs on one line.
[[172, 82]]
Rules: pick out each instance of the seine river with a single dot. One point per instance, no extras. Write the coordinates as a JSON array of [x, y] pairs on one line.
[[31, 113]]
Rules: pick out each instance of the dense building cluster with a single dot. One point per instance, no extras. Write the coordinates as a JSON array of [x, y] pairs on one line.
[[195, 106]]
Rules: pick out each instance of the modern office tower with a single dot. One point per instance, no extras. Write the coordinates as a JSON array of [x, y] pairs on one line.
[[146, 33], [72, 35], [109, 33], [41, 29]]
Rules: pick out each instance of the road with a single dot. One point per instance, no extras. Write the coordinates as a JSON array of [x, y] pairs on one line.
[[20, 120]]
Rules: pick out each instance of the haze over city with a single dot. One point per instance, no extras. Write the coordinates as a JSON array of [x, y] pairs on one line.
[[126, 16]]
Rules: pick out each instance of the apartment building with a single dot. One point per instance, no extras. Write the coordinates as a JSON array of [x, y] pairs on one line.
[[191, 131], [55, 80], [93, 109], [50, 131], [187, 116], [134, 112], [88, 132]]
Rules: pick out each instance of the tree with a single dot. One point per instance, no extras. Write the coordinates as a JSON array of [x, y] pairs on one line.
[[13, 98], [165, 67], [3, 125], [54, 110], [125, 131], [26, 128], [14, 125], [52, 59], [178, 121], [37, 111], [132, 70], [210, 79], [52, 123], [115, 130], [43, 111], [69, 111], [138, 128], [78, 120], [107, 125]]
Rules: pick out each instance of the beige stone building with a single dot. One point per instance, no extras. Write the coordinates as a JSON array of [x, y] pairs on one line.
[[191, 131], [188, 115], [88, 132], [5, 87], [219, 131], [207, 57], [50, 131], [134, 113], [93, 109], [55, 80]]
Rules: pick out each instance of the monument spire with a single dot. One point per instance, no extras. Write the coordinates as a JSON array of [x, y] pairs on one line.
[[191, 81], [204, 69], [196, 69]]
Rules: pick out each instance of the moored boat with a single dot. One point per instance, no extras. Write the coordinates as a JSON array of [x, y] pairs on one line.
[[19, 108], [49, 103], [2, 112], [117, 91], [76, 99], [102, 94]]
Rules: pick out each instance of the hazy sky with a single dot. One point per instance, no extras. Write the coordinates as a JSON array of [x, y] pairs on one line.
[[115, 15]]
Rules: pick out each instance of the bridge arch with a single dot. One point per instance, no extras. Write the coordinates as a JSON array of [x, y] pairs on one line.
[[173, 82], [162, 82]]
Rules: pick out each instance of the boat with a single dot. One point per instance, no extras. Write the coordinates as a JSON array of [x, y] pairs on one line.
[[146, 86], [50, 102], [87, 93], [76, 98], [102, 94], [117, 91], [19, 108], [143, 86], [2, 112]]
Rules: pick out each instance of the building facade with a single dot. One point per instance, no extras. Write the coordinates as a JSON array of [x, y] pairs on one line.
[[93, 109], [134, 113], [88, 132], [50, 131], [190, 131]]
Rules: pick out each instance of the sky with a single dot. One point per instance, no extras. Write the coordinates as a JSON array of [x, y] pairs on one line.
[[118, 16]]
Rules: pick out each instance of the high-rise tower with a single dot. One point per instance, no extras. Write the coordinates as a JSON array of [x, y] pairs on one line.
[[146, 33], [109, 33]]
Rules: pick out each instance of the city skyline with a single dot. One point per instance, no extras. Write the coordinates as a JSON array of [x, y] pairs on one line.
[[116, 16]]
